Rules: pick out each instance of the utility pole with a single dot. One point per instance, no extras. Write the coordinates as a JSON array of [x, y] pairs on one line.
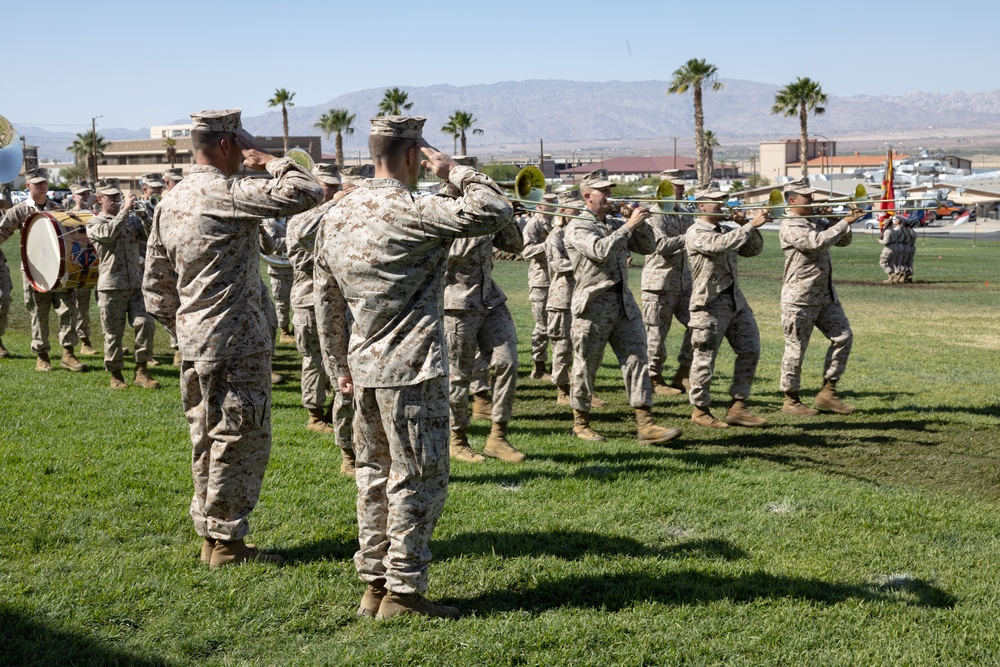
[[675, 150], [541, 155], [93, 149]]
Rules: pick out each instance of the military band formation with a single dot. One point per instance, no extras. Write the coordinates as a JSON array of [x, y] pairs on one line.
[[391, 302]]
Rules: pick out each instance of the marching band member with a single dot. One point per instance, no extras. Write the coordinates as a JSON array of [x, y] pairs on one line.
[[82, 194], [38, 303], [120, 239], [808, 299], [604, 310], [719, 311], [535, 233]]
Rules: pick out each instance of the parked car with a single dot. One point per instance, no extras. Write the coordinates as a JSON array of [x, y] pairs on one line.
[[18, 196], [948, 209]]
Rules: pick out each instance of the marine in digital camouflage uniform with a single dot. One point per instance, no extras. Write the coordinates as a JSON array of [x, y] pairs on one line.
[[559, 315], [476, 319], [202, 281], [171, 177], [535, 232], [719, 311], [892, 239], [909, 244], [281, 278], [808, 299], [38, 303], [666, 293], [388, 251], [82, 194], [604, 310], [119, 237]]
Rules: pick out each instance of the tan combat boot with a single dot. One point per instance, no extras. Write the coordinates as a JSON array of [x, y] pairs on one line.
[[482, 407], [739, 414], [582, 430], [348, 462], [316, 422], [277, 378], [539, 372], [702, 417], [563, 397], [460, 449], [207, 547], [43, 364], [70, 362], [118, 380], [648, 432], [412, 604], [498, 447], [177, 358], [286, 337], [827, 399], [597, 402], [86, 348], [3, 351], [681, 380], [143, 378], [661, 388], [235, 552], [794, 406], [372, 598]]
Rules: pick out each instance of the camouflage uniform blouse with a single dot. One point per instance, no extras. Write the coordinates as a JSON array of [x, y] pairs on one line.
[[808, 279]]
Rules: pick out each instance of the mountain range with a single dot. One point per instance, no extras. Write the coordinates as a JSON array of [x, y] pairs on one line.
[[522, 112]]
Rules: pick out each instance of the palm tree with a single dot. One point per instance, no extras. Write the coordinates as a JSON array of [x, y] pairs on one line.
[[462, 121], [711, 142], [88, 147], [452, 131], [170, 144], [693, 75], [394, 102], [336, 121], [284, 98], [800, 97]]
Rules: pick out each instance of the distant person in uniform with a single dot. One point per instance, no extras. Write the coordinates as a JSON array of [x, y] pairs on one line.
[[82, 195]]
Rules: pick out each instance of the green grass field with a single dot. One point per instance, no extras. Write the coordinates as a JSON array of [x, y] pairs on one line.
[[862, 540]]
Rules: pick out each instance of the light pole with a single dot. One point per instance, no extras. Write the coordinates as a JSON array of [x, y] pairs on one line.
[[829, 156], [93, 148]]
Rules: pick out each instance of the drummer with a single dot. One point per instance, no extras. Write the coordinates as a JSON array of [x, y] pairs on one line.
[[38, 303], [120, 239]]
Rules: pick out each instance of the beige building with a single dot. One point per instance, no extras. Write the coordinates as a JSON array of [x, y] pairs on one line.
[[129, 160]]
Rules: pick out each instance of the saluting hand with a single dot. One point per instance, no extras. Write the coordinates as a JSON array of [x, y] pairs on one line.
[[254, 157], [437, 162]]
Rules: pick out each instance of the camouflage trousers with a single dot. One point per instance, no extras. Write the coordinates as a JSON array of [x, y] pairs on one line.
[[560, 322], [492, 333], [538, 296], [118, 307], [81, 298], [480, 380], [604, 322], [658, 311], [720, 321], [798, 323], [281, 290], [6, 287], [401, 444], [315, 379], [889, 261], [39, 304], [228, 408]]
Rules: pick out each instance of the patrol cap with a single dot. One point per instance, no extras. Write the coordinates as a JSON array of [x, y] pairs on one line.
[[569, 197], [36, 176], [327, 173], [176, 175], [108, 187], [403, 127], [80, 188], [217, 120], [354, 175], [550, 197], [153, 180], [799, 187], [596, 180], [711, 194]]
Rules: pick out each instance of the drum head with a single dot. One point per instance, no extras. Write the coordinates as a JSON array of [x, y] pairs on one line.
[[42, 253]]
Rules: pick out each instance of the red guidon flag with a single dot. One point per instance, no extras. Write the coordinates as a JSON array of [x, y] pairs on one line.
[[888, 205]]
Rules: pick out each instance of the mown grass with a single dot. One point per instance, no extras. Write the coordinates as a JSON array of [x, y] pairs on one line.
[[869, 539]]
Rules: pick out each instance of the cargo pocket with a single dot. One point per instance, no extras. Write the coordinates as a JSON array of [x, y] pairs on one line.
[[704, 330], [247, 397], [425, 422]]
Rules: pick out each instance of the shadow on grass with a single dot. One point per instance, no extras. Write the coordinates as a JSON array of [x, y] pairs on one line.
[[620, 591], [25, 641], [320, 550], [573, 545]]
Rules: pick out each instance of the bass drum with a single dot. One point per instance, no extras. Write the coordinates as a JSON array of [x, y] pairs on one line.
[[56, 253]]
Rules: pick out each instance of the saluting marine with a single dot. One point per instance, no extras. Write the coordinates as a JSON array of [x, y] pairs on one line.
[[535, 232]]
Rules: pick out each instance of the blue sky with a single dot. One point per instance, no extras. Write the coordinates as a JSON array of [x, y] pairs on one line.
[[141, 64]]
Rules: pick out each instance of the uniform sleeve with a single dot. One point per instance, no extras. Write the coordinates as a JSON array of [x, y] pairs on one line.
[[481, 209], [714, 245], [806, 239], [331, 320], [291, 190], [753, 245], [105, 231], [642, 240], [159, 281], [534, 239], [509, 239], [12, 221], [667, 245], [583, 237], [555, 252]]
